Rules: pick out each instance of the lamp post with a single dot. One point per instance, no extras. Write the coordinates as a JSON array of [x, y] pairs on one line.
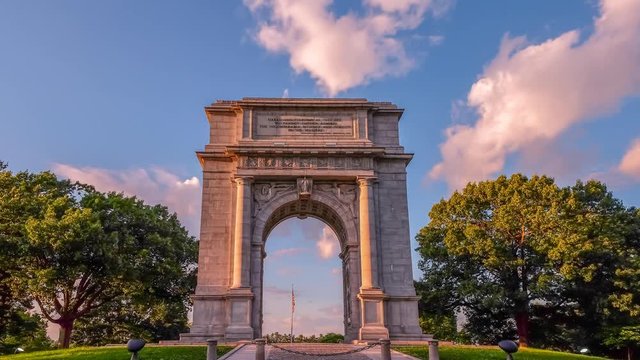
[[509, 347], [135, 345]]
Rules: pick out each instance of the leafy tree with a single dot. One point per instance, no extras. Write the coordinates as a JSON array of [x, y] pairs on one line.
[[276, 337], [627, 337], [153, 320], [485, 248], [437, 321], [594, 253], [22, 196], [331, 338], [25, 331], [81, 252], [563, 261]]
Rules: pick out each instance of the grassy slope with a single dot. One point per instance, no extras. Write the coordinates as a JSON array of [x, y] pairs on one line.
[[479, 353], [117, 352]]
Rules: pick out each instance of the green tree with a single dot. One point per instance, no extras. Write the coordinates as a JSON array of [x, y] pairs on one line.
[[22, 196], [78, 252], [596, 249], [517, 253], [93, 250], [331, 338], [627, 337], [160, 257], [25, 331], [485, 248]]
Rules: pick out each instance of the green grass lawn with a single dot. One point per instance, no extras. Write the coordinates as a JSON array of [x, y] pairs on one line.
[[482, 353], [199, 352], [119, 352]]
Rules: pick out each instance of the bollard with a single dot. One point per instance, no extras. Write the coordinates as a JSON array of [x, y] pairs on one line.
[[385, 348], [134, 346], [212, 349], [433, 350], [260, 349]]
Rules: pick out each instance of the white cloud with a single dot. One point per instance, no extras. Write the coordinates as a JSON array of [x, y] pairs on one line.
[[285, 252], [154, 186], [327, 244], [630, 163], [534, 93], [435, 40], [341, 52]]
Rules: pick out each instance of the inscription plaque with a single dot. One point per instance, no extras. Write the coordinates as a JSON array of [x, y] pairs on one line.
[[276, 124]]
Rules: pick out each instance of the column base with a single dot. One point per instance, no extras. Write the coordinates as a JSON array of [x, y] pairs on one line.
[[208, 319], [373, 316], [238, 333], [239, 310], [225, 317], [373, 333], [402, 319]]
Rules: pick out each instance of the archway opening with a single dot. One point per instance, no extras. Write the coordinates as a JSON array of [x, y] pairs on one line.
[[303, 253]]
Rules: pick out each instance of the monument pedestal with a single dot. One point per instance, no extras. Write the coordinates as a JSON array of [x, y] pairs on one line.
[[403, 322], [208, 319], [372, 310], [239, 309]]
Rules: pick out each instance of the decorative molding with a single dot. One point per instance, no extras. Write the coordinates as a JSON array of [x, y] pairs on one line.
[[305, 162], [265, 192], [366, 181], [346, 193], [305, 186]]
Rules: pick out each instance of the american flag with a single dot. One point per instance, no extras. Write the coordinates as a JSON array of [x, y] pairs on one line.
[[293, 300]]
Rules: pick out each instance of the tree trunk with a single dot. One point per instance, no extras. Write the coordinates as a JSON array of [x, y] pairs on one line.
[[522, 326], [64, 338], [629, 353]]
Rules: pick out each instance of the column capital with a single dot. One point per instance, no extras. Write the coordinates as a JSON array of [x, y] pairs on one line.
[[366, 180], [243, 180]]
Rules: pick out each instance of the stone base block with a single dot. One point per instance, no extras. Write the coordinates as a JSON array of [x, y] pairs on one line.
[[191, 338], [410, 338], [238, 333], [373, 333]]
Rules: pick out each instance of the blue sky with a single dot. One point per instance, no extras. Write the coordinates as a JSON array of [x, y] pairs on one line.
[[112, 93]]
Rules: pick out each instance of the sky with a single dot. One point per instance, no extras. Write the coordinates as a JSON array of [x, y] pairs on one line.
[[112, 93]]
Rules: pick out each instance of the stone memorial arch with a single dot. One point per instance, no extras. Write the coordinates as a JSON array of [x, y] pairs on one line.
[[338, 160]]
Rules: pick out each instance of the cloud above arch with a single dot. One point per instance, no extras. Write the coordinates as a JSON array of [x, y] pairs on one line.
[[342, 51], [327, 245], [535, 92]]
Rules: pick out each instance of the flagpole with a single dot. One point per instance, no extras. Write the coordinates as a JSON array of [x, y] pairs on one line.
[[293, 306]]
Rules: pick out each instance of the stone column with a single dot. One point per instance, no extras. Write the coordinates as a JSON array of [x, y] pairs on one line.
[[241, 241], [367, 234], [239, 299], [371, 295]]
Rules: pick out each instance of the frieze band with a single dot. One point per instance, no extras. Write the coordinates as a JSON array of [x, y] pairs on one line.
[[303, 162]]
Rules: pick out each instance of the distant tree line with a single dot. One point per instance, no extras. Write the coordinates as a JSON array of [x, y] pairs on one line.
[[276, 337], [522, 258], [103, 266]]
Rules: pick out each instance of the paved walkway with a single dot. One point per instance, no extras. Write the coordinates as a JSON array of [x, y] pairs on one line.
[[248, 352]]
